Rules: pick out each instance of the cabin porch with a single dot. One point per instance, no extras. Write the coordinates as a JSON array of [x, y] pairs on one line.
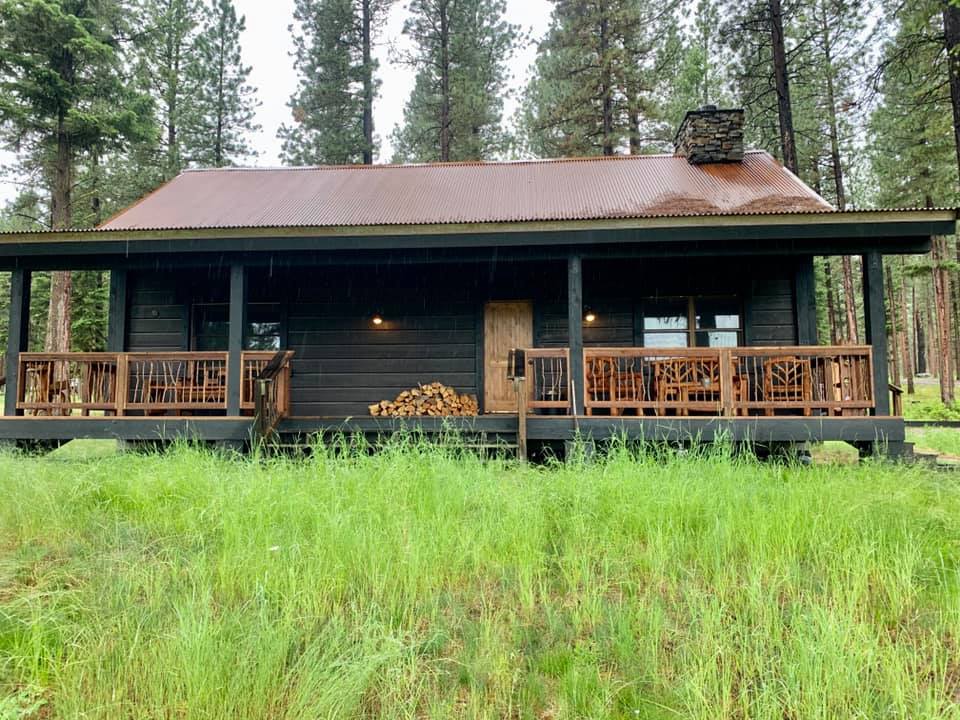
[[188, 344]]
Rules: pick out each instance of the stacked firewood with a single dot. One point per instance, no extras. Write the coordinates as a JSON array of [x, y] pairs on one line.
[[431, 399]]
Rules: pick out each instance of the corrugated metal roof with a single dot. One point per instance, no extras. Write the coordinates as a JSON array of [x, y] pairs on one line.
[[455, 193]]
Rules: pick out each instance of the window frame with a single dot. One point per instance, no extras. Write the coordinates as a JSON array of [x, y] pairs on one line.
[[197, 307], [691, 330]]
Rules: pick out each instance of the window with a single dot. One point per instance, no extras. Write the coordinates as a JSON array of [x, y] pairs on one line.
[[718, 321], [211, 326], [263, 327], [692, 321], [666, 322]]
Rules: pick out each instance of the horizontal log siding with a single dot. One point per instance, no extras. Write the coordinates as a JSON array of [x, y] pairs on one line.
[[765, 288], [343, 362], [156, 314], [771, 318], [433, 316]]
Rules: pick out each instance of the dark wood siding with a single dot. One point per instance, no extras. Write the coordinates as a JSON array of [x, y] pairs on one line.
[[770, 308], [156, 319], [433, 316], [615, 291], [344, 363]]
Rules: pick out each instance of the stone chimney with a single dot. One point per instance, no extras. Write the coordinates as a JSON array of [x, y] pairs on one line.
[[710, 135]]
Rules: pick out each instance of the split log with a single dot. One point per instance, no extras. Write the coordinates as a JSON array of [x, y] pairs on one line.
[[430, 399]]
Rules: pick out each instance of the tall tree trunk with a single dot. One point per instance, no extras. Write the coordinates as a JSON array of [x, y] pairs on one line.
[[832, 112], [895, 355], [955, 325], [606, 87], [907, 343], [930, 326], [951, 34], [920, 338], [218, 154], [941, 290], [633, 114], [174, 42], [849, 300], [61, 282], [781, 78], [444, 84], [367, 84], [831, 309]]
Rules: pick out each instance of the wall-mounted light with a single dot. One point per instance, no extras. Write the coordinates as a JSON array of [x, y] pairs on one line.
[[589, 316], [377, 319]]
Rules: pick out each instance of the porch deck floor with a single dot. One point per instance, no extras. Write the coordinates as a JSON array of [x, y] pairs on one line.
[[539, 427]]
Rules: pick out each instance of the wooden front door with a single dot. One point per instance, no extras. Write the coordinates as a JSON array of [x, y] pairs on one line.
[[506, 325]]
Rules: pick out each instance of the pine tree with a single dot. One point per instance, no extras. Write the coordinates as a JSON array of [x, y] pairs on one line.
[[216, 127], [460, 52], [757, 31], [596, 82], [62, 93], [165, 46], [700, 76], [913, 161], [333, 105]]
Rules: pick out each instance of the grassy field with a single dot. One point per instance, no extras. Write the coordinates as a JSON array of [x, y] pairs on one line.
[[925, 404], [421, 584]]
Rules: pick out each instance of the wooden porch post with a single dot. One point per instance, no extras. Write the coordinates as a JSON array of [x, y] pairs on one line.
[[238, 321], [117, 312], [575, 331], [806, 298], [876, 328], [18, 335]]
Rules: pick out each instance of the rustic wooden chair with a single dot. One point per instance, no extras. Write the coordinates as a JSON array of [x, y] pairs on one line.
[[848, 381], [600, 374], [674, 377], [788, 379]]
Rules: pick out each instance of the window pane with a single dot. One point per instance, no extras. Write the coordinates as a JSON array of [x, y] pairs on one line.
[[665, 314], [205, 343], [263, 342], [665, 339], [716, 338], [722, 313]]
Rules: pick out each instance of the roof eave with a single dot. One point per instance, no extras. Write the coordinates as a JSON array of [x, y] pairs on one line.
[[944, 219]]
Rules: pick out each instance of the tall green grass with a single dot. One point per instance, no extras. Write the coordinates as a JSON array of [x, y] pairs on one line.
[[424, 583]]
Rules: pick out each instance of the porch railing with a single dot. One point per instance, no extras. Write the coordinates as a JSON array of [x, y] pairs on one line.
[[137, 382], [729, 381], [548, 373], [271, 397], [804, 380]]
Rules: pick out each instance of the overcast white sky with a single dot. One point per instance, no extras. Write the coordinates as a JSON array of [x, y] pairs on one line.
[[267, 46]]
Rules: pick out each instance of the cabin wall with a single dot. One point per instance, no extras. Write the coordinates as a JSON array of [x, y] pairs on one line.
[[156, 313], [344, 363], [433, 315]]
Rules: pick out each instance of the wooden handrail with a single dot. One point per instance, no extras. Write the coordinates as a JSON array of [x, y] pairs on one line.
[[720, 381], [271, 396], [118, 383]]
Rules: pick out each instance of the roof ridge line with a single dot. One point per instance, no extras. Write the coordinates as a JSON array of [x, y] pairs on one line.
[[458, 163]]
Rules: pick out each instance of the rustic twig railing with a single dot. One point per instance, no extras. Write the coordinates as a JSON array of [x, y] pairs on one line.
[[271, 396], [137, 383], [548, 379], [731, 381]]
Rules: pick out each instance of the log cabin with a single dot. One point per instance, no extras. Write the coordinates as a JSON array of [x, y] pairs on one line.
[[663, 297]]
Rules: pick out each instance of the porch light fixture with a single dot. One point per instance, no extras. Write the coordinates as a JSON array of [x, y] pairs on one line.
[[589, 316], [377, 319]]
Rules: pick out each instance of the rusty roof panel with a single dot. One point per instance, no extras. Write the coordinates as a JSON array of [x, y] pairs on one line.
[[454, 193]]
